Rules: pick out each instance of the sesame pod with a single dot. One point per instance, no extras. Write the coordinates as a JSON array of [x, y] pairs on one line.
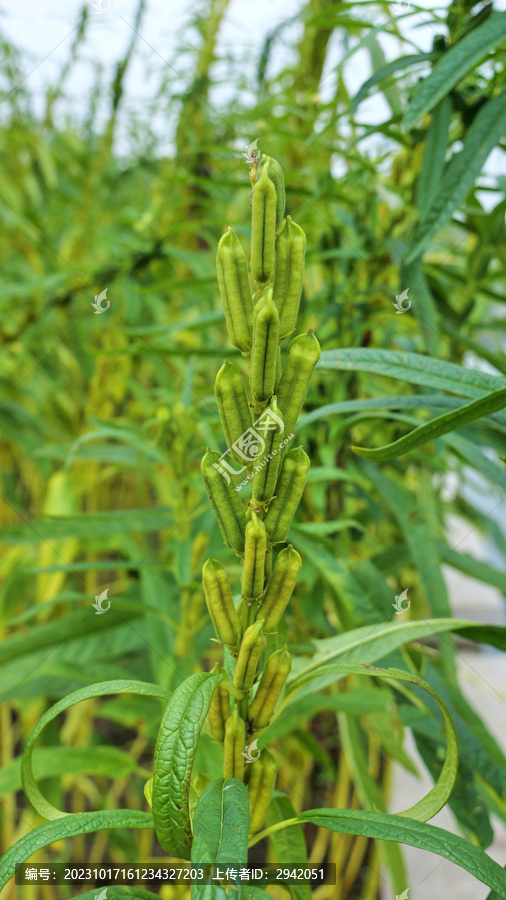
[[249, 654], [219, 711], [263, 227], [235, 290], [303, 354], [267, 463], [260, 787], [277, 670], [276, 175], [265, 348], [289, 491], [235, 741], [225, 501], [255, 545], [220, 604], [289, 275], [280, 588], [233, 405]]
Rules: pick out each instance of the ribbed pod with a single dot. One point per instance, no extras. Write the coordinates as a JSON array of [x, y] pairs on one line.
[[225, 502], [280, 588], [233, 405], [289, 491], [235, 290], [220, 604], [277, 669]]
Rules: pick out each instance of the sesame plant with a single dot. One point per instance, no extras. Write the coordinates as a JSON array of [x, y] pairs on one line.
[[246, 699]]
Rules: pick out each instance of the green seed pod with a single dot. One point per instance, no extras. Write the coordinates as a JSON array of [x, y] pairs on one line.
[[235, 740], [289, 491], [265, 348], [276, 175], [289, 275], [249, 654], [267, 463], [220, 604], [263, 228], [261, 783], [235, 412], [225, 501], [303, 354], [280, 588], [219, 710], [235, 290], [277, 670], [255, 545]]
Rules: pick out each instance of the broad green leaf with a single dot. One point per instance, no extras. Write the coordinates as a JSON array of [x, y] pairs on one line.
[[220, 831], [66, 827], [288, 845], [485, 132], [415, 368], [386, 827], [51, 761], [30, 787], [436, 142], [176, 745], [454, 65], [436, 427]]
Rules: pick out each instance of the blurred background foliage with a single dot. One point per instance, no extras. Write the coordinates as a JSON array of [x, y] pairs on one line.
[[104, 418]]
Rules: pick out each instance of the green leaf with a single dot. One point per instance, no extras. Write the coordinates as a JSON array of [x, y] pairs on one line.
[[454, 65], [386, 827], [436, 142], [439, 793], [51, 761], [174, 754], [402, 63], [475, 568], [69, 826], [485, 132], [369, 644], [469, 412], [91, 526], [30, 787], [415, 368], [220, 828], [288, 845]]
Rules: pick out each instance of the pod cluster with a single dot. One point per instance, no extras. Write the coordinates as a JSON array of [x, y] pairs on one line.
[[261, 303]]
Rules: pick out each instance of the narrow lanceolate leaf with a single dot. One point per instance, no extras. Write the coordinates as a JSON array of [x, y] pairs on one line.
[[436, 798], [387, 827], [175, 750], [486, 131], [367, 644], [436, 427], [69, 826], [415, 368], [31, 790], [433, 161], [454, 65], [386, 71]]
